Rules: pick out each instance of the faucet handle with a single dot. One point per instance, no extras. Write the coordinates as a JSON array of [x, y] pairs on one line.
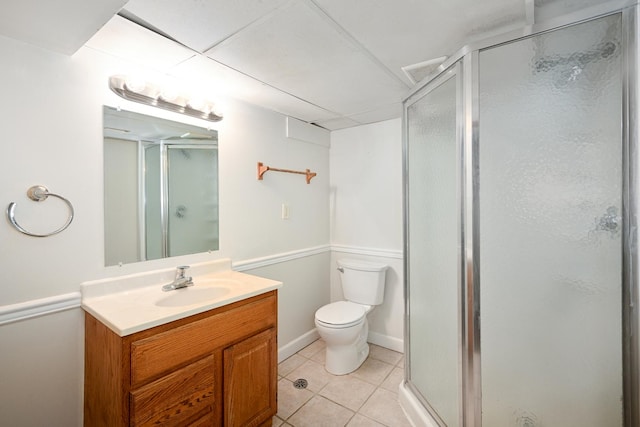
[[181, 270]]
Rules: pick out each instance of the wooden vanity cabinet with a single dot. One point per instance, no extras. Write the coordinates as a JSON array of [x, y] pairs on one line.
[[217, 368]]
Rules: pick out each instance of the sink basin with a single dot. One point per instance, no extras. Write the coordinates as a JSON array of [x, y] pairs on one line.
[[191, 295]]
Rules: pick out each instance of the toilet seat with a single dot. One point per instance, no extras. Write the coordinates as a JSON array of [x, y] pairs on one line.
[[341, 314]]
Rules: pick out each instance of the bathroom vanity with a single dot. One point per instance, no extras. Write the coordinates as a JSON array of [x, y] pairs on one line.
[[215, 366]]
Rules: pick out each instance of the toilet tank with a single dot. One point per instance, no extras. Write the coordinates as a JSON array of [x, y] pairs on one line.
[[362, 281]]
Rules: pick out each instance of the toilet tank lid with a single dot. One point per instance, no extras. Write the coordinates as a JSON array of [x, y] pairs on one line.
[[356, 264]]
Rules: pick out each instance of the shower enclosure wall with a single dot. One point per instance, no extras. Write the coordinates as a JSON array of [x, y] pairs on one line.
[[520, 231]]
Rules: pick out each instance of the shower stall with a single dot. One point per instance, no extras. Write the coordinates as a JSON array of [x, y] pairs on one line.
[[180, 195], [520, 176]]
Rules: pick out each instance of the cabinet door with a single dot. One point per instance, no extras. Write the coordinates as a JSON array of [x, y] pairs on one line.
[[250, 380]]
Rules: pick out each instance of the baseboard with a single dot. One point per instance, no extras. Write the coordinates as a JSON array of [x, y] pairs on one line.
[[296, 345], [392, 343]]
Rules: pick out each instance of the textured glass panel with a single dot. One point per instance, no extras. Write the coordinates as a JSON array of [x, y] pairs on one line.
[[193, 200], [550, 246], [433, 249]]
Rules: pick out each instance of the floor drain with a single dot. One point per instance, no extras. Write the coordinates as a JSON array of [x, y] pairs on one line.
[[300, 383]]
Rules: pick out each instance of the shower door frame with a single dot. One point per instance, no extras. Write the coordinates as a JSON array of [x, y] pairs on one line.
[[469, 234], [454, 71]]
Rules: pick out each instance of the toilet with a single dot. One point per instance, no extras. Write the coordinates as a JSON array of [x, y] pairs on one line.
[[343, 324]]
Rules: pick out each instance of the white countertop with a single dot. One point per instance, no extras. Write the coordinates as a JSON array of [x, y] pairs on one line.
[[133, 303]]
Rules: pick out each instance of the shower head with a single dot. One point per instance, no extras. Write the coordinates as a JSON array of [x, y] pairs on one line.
[[568, 68], [602, 50], [186, 154]]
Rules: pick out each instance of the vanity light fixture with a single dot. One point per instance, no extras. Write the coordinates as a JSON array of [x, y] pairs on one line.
[[144, 92]]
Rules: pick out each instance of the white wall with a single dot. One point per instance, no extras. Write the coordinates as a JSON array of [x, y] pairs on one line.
[[122, 233], [366, 186], [366, 215], [307, 289], [52, 135], [41, 370]]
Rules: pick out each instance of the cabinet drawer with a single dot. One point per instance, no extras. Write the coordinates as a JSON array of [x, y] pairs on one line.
[[157, 354], [176, 398]]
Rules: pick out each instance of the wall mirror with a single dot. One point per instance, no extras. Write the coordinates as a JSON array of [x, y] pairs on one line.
[[160, 188]]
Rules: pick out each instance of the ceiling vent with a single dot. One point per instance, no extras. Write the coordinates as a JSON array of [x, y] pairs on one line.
[[419, 71]]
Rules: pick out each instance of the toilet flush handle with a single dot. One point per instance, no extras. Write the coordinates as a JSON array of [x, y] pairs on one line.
[[340, 269]]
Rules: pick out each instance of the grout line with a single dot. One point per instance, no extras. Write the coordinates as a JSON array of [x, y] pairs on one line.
[[317, 393]]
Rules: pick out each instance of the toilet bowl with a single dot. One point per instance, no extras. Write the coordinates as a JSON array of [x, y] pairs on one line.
[[344, 328], [343, 324]]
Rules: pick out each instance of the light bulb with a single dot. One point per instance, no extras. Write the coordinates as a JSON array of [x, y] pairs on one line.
[[169, 93], [135, 84], [198, 104]]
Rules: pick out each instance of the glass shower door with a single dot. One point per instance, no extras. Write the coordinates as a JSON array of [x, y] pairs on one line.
[[432, 239], [550, 192], [192, 202]]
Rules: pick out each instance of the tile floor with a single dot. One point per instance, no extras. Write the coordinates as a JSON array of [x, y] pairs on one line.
[[366, 397]]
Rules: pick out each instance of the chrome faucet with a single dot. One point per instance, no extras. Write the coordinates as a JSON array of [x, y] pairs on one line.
[[181, 281]]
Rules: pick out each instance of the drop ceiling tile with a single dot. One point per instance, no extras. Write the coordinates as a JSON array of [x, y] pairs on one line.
[[215, 79], [339, 123], [126, 40], [406, 32], [62, 26], [549, 9], [387, 112], [201, 24], [298, 50]]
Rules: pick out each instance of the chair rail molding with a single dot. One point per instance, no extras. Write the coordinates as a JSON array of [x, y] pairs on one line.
[[39, 307], [381, 253]]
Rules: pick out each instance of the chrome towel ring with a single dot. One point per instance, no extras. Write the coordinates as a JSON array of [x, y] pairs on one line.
[[39, 193]]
